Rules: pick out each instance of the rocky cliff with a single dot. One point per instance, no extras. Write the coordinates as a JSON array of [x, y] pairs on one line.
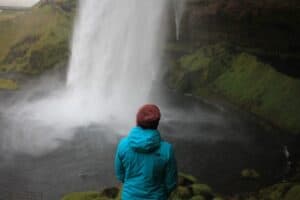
[[246, 52]]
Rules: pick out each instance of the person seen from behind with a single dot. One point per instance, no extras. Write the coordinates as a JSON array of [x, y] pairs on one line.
[[145, 163]]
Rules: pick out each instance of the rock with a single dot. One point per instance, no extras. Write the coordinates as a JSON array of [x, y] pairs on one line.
[[181, 193], [186, 179], [112, 192], [203, 190]]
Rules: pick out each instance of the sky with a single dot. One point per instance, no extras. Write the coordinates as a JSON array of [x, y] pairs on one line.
[[17, 2]]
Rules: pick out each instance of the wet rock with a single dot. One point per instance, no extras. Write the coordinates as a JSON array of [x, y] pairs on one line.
[[186, 179], [203, 190], [182, 193], [112, 192]]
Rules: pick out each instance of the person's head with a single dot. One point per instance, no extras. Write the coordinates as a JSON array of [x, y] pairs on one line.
[[148, 116]]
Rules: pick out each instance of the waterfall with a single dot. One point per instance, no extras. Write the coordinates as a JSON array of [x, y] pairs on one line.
[[179, 6], [115, 55], [115, 59]]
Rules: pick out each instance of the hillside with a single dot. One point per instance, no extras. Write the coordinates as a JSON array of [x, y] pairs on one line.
[[36, 39]]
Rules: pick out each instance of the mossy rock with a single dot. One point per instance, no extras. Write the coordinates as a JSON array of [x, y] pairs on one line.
[[218, 198], [181, 192], [198, 197], [186, 179], [202, 189], [293, 193], [250, 174], [275, 192]]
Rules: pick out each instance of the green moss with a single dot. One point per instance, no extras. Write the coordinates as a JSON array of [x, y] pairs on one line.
[[195, 61], [218, 198], [186, 179], [250, 174], [242, 79], [181, 192], [84, 196], [6, 84], [274, 192], [262, 90], [293, 193], [202, 189], [112, 193]]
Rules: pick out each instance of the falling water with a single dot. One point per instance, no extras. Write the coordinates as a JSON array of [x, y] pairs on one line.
[[179, 6], [115, 54]]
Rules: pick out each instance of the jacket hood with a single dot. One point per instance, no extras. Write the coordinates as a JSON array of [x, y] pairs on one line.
[[144, 140]]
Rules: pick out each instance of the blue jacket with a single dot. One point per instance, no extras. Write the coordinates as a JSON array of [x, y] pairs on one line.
[[146, 165]]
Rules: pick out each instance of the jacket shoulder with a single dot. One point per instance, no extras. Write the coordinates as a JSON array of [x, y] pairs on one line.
[[166, 145], [123, 145], [166, 148]]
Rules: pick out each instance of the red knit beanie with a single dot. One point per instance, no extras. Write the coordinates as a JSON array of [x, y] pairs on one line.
[[148, 116]]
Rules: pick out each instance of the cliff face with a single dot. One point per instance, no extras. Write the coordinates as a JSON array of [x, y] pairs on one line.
[[246, 52], [267, 28]]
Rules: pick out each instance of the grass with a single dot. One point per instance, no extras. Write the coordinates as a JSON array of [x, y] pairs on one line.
[[34, 40]]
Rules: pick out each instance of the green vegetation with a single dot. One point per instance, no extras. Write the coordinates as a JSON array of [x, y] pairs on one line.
[[35, 40], [293, 193], [281, 191], [201, 189], [220, 70], [250, 174], [187, 189], [190, 189], [7, 84]]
